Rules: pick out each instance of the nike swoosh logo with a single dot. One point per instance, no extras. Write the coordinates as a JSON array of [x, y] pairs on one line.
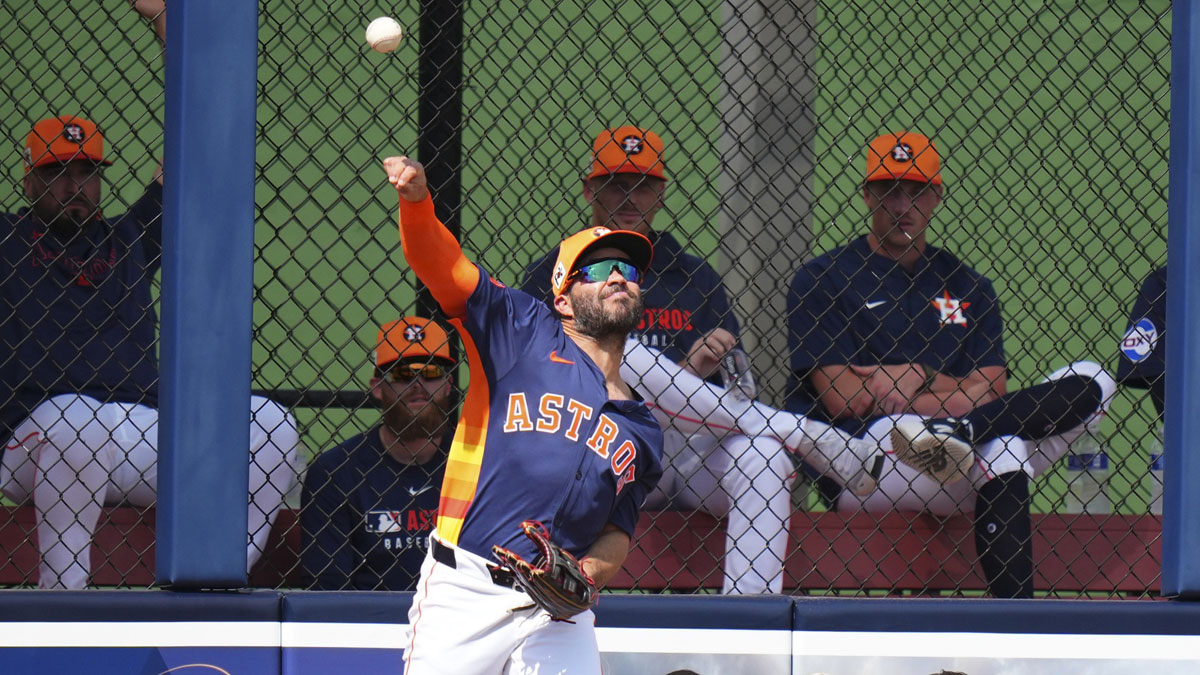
[[423, 490], [873, 305], [558, 359]]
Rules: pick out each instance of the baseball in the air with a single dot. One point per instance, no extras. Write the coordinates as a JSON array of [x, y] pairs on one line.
[[383, 34]]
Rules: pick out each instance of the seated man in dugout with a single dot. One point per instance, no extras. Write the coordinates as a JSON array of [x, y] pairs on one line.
[[897, 341], [80, 376], [721, 452], [369, 504]]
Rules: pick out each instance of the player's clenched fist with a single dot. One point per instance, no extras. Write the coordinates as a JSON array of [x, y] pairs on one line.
[[408, 175]]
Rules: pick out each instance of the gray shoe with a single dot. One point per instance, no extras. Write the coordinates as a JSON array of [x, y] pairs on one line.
[[931, 447], [854, 462]]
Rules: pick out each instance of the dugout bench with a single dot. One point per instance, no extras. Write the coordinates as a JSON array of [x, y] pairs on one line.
[[896, 553]]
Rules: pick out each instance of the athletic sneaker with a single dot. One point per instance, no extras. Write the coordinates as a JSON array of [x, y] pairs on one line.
[[932, 447], [854, 462]]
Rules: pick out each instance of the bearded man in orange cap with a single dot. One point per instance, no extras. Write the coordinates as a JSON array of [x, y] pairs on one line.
[[79, 375]]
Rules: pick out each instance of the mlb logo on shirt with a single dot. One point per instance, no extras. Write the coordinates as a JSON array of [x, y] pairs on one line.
[[1139, 341], [384, 522]]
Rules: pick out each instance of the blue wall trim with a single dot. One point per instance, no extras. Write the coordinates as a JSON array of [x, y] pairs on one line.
[[207, 293], [1181, 501]]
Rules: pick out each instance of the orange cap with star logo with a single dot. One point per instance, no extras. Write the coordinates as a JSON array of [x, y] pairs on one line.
[[627, 149], [63, 139], [904, 155], [411, 336], [634, 244]]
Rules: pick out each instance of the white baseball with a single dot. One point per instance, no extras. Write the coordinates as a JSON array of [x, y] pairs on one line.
[[383, 34]]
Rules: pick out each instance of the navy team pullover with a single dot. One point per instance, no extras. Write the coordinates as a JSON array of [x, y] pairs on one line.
[[79, 317]]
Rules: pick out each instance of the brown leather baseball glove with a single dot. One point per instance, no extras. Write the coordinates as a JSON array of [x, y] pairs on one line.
[[555, 581]]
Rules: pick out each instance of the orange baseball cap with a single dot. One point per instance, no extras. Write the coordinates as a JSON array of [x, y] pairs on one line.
[[63, 139], [904, 155], [627, 149], [411, 336], [634, 244]]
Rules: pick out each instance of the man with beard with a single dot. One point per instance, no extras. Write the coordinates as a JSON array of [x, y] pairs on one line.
[[368, 504], [79, 368], [548, 433]]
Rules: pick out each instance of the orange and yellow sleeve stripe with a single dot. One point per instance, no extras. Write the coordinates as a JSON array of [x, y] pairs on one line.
[[438, 261], [466, 451]]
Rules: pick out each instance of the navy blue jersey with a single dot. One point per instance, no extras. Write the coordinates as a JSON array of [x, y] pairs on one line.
[[1142, 360], [78, 318], [365, 518], [538, 437], [684, 297], [851, 306]]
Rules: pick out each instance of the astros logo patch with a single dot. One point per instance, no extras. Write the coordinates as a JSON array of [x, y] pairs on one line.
[[560, 273], [951, 310], [902, 152], [414, 333], [632, 145], [73, 133]]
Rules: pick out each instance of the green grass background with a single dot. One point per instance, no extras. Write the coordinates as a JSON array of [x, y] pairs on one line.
[[1053, 118]]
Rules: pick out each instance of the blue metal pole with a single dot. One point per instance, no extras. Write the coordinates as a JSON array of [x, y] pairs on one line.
[[1181, 500], [207, 291]]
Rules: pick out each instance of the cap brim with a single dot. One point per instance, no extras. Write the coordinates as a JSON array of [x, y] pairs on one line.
[[64, 158], [914, 176], [415, 357], [655, 171], [636, 246]]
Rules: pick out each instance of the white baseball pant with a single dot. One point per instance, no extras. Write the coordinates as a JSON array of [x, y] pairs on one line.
[[708, 464], [745, 480], [74, 454], [682, 401], [904, 488], [462, 622]]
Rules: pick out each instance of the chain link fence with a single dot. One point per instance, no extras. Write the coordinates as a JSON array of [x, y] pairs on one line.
[[1051, 120]]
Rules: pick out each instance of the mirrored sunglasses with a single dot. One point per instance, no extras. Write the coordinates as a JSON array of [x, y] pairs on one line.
[[407, 372], [602, 269]]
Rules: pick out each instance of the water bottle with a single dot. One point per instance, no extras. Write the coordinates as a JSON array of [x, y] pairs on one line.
[[1156, 472], [736, 374], [1087, 475]]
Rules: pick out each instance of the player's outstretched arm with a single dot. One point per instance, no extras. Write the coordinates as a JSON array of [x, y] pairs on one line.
[[431, 251]]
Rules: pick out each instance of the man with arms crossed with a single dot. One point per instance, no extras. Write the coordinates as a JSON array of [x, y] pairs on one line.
[[548, 432], [888, 325]]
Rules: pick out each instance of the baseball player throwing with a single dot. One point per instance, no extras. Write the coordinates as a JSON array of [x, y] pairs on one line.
[[552, 458]]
